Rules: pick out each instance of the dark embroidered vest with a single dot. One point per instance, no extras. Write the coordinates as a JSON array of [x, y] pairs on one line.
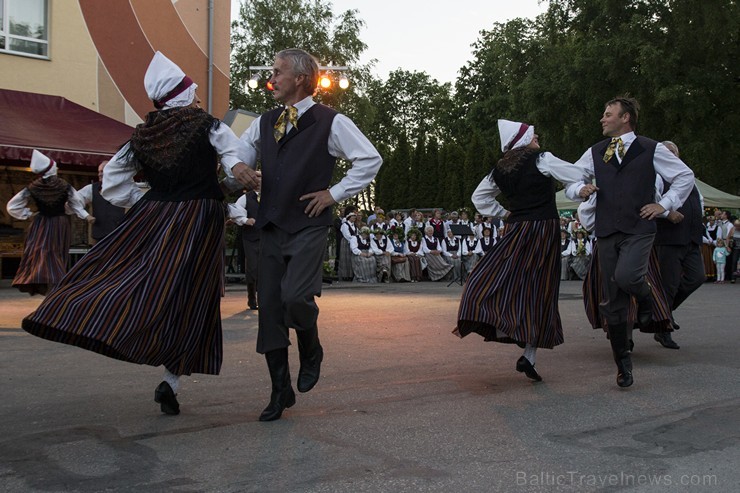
[[253, 206], [690, 230], [414, 248], [107, 215], [531, 194], [486, 245], [452, 246], [300, 163], [363, 244], [624, 188]]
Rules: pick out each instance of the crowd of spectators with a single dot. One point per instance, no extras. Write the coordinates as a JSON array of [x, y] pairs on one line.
[[411, 246]]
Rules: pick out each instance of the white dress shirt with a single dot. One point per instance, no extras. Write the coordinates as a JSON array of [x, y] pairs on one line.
[[666, 165], [346, 141]]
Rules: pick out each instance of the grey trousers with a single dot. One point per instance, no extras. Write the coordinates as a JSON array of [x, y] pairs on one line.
[[623, 260], [682, 271], [290, 276]]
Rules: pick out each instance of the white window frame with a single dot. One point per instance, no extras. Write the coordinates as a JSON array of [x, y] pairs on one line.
[[5, 33]]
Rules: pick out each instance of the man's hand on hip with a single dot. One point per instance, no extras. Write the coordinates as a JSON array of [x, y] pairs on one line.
[[318, 202]]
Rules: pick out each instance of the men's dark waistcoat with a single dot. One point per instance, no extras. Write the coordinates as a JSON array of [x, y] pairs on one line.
[[624, 188], [299, 163]]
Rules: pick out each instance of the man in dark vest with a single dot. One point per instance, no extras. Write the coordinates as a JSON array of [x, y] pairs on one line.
[[625, 167], [678, 245], [251, 243], [107, 216], [298, 147]]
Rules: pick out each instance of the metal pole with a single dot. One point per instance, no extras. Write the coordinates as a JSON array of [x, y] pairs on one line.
[[210, 56]]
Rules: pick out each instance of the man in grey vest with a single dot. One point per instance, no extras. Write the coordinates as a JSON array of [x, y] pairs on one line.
[[678, 245], [625, 167], [298, 147]]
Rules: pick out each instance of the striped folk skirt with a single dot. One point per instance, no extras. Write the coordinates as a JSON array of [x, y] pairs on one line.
[[401, 270], [148, 293], [512, 293], [437, 267], [593, 294], [415, 267], [383, 268], [364, 268], [709, 268], [45, 254], [345, 261]]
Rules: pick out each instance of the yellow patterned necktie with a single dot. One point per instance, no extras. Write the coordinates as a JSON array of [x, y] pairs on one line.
[[615, 145], [289, 114]]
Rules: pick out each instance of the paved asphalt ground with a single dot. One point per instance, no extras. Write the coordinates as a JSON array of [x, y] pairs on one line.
[[402, 405]]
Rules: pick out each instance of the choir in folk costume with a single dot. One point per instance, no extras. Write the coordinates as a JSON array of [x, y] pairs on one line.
[[348, 230], [580, 251], [471, 252], [511, 295], [415, 254], [363, 259], [380, 247], [150, 292], [399, 261], [487, 240], [437, 266], [46, 249], [452, 250]]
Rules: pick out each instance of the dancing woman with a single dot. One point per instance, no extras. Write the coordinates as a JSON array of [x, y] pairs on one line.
[[511, 295]]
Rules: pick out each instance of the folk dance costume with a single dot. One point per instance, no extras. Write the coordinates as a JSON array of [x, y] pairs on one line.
[[415, 256], [452, 250], [439, 227], [566, 253], [250, 236], [379, 245], [46, 250], [363, 260], [486, 243], [471, 252], [511, 295], [580, 250], [437, 266], [594, 296], [107, 216], [625, 168], [348, 230], [149, 293], [399, 262]]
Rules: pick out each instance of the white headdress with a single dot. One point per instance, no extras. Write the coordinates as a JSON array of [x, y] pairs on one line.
[[167, 85], [514, 134], [43, 165]]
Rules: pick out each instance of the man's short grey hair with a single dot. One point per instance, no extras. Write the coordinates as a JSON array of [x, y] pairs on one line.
[[671, 146], [302, 63]]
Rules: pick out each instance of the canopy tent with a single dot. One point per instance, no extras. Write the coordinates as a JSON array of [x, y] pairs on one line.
[[713, 197], [75, 137]]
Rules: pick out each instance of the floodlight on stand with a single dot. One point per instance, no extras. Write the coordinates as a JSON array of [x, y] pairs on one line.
[[325, 82], [254, 81], [343, 82]]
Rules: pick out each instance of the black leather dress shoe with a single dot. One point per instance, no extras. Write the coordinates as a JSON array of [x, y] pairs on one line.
[[624, 371], [165, 397], [524, 366], [308, 374], [665, 340]]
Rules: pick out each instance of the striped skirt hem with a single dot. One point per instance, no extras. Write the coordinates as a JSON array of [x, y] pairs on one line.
[[511, 295]]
